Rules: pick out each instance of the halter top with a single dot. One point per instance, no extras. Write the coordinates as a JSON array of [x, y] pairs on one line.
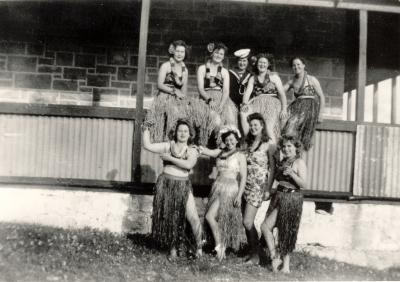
[[170, 167], [172, 79], [304, 90], [229, 165], [211, 82], [265, 87]]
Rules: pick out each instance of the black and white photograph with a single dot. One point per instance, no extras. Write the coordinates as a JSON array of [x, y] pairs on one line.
[[199, 140]]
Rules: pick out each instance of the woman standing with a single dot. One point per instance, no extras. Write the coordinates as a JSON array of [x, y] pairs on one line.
[[305, 111], [260, 162], [213, 86], [173, 200], [223, 210], [286, 204], [269, 96], [239, 76]]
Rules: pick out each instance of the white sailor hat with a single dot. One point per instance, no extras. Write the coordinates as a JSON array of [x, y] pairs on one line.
[[242, 53]]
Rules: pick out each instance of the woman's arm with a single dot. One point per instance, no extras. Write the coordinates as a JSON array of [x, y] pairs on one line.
[[298, 173], [249, 90], [281, 93], [157, 148], [321, 95], [188, 164], [272, 166], [211, 153], [225, 88], [201, 72], [161, 78], [243, 177], [286, 87]]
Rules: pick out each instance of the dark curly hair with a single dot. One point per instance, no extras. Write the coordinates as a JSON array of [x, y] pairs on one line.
[[270, 59], [296, 58], [228, 133], [182, 43], [294, 140], [219, 46], [264, 136], [191, 131]]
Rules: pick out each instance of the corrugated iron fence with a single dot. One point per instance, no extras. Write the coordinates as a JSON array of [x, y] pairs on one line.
[[366, 157]]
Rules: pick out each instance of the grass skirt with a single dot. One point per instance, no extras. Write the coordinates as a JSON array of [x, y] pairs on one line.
[[269, 107], [229, 114], [290, 207], [303, 117], [167, 109], [169, 211], [229, 217]]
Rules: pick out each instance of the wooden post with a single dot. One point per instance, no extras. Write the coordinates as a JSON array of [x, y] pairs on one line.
[[375, 103], [393, 116], [362, 66], [137, 142]]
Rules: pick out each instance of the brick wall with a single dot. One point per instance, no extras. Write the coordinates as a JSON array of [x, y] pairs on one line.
[[46, 66]]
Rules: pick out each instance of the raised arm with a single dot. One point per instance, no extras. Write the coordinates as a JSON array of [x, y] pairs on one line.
[[201, 72], [188, 164], [286, 87], [157, 148], [321, 95], [161, 78], [208, 152], [243, 177]]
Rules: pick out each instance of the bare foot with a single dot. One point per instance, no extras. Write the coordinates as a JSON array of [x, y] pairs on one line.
[[199, 253], [172, 255], [220, 249], [285, 270], [276, 262]]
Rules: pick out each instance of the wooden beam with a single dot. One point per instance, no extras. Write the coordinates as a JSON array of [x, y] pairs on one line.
[[137, 142], [393, 115], [362, 66], [375, 102]]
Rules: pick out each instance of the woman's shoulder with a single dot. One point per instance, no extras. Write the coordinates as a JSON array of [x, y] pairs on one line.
[[300, 163]]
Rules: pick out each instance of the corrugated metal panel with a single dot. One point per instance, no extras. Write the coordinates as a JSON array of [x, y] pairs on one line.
[[64, 147], [377, 164], [330, 161]]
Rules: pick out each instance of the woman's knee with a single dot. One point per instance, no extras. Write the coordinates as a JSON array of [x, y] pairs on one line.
[[248, 223]]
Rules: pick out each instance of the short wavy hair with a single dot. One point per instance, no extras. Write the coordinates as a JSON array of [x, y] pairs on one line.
[[264, 136], [294, 140], [228, 133], [182, 43], [269, 57], [174, 132]]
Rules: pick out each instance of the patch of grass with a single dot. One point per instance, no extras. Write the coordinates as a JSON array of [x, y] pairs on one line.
[[38, 253]]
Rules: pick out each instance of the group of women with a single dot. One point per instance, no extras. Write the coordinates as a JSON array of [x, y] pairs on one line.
[[179, 128]]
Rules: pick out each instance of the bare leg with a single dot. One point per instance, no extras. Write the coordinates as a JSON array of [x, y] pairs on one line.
[[211, 216], [251, 232], [286, 262], [267, 230], [193, 217], [270, 131]]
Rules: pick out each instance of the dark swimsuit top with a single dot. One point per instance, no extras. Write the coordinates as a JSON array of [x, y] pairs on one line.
[[216, 81], [304, 90], [172, 79], [265, 87], [285, 181], [238, 85]]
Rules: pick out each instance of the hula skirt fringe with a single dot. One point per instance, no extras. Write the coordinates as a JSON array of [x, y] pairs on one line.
[[229, 217], [269, 107], [229, 114], [290, 207], [169, 211], [303, 117]]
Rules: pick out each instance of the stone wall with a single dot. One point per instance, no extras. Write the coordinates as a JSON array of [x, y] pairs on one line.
[[68, 56]]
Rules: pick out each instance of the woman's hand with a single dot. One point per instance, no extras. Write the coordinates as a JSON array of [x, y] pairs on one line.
[[244, 108], [179, 94], [166, 156], [288, 171], [200, 149], [266, 196], [146, 125], [238, 201]]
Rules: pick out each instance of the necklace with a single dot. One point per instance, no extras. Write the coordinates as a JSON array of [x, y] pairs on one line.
[[175, 148], [224, 155]]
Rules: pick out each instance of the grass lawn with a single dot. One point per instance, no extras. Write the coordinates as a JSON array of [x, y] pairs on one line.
[[38, 253]]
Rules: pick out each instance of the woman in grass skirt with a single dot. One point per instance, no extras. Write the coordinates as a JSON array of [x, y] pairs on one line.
[[265, 95], [223, 212], [172, 103], [286, 205], [305, 111], [173, 202], [213, 86], [260, 160]]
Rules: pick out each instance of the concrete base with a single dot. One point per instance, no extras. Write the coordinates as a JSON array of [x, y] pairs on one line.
[[352, 226]]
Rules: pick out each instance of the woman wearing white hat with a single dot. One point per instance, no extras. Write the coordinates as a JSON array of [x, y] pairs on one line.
[[223, 212], [239, 76], [269, 97]]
